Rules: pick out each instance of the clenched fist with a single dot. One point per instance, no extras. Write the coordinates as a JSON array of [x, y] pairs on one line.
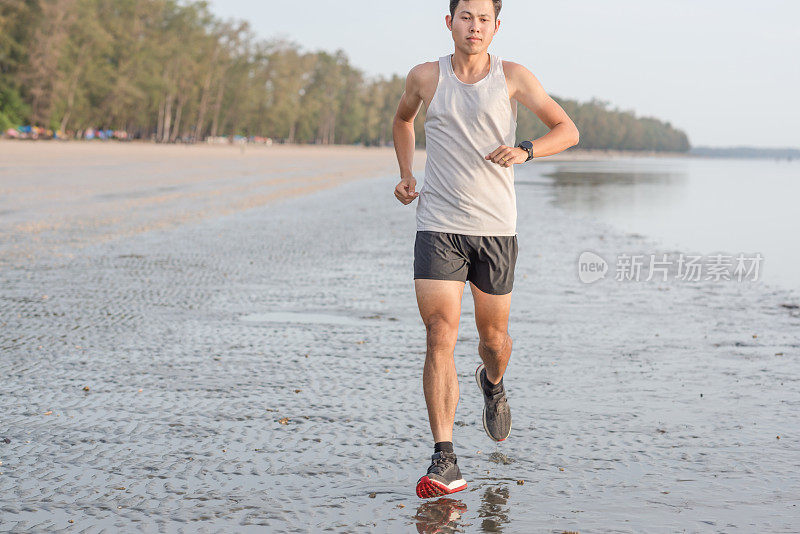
[[506, 156], [405, 190]]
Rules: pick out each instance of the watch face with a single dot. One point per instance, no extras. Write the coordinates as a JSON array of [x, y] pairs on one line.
[[528, 147]]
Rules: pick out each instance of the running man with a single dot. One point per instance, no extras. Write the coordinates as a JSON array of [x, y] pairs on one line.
[[466, 215]]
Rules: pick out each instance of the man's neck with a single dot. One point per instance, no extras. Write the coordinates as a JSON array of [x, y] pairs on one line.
[[471, 65]]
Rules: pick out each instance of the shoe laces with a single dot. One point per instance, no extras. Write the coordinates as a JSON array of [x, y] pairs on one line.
[[497, 400], [441, 462], [497, 397]]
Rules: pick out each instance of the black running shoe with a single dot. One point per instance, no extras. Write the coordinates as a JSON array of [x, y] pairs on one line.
[[443, 477], [496, 413]]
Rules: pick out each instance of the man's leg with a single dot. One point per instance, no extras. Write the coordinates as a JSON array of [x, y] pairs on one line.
[[440, 307], [491, 318], [494, 347]]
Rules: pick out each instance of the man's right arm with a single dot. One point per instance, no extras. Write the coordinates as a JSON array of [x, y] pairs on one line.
[[403, 135]]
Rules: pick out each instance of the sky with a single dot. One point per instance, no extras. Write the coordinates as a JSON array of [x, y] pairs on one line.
[[725, 72]]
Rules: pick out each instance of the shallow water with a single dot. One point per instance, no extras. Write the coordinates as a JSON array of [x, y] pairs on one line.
[[263, 369], [701, 205]]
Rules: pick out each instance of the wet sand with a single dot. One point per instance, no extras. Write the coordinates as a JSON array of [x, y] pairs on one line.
[[58, 197], [260, 368]]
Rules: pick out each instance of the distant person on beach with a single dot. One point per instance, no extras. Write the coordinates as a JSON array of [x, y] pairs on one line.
[[466, 215]]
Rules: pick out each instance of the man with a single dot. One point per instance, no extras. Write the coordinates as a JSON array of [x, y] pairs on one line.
[[466, 214]]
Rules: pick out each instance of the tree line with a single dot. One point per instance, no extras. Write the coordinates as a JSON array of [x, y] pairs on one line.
[[171, 71]]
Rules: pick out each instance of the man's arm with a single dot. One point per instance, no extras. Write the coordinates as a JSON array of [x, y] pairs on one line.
[[403, 135], [526, 89]]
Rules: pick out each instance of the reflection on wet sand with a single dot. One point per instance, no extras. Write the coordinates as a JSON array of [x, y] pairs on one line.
[[581, 187], [441, 515], [567, 177], [448, 515], [493, 511]]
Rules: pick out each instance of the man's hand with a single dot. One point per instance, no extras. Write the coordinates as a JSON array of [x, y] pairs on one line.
[[405, 190], [506, 156]]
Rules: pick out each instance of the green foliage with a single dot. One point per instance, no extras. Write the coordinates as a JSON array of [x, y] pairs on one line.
[[170, 70], [602, 128], [13, 111], [5, 122]]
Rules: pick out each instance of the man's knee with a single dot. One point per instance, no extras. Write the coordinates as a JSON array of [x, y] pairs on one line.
[[441, 333], [496, 343]]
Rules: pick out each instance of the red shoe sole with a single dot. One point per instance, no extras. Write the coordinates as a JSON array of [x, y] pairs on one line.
[[427, 488]]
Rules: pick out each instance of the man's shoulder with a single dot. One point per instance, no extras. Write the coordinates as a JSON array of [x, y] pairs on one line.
[[425, 71], [511, 68], [517, 76]]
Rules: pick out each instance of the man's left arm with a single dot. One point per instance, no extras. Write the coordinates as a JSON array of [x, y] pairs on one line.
[[525, 88]]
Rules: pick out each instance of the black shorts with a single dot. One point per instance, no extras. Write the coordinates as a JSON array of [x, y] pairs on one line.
[[486, 261]]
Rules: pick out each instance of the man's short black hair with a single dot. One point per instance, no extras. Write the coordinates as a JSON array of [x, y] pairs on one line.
[[496, 3]]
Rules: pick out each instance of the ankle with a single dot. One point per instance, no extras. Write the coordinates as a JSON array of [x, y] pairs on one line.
[[488, 386], [443, 446]]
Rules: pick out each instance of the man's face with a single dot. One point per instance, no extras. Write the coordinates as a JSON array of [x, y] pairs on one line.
[[473, 25]]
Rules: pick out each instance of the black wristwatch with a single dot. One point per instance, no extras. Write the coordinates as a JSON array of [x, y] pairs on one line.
[[528, 146]]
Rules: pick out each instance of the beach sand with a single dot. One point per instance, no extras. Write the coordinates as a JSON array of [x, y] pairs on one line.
[[258, 366], [57, 197]]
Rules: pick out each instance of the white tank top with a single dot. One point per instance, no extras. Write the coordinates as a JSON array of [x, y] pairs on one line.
[[464, 193]]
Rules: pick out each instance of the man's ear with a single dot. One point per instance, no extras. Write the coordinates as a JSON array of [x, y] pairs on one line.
[[497, 26], [448, 20]]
